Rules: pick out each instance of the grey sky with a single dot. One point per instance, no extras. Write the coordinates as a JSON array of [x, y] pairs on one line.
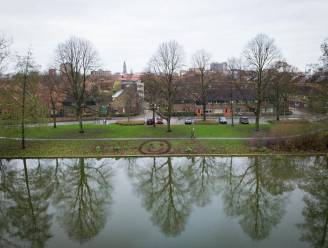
[[132, 30]]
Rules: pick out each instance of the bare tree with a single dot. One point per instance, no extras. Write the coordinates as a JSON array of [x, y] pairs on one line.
[[77, 57], [152, 92], [55, 92], [165, 64], [234, 67], [201, 62], [260, 53], [4, 50], [26, 75], [281, 81]]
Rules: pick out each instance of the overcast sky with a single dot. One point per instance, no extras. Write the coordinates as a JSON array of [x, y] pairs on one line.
[[131, 30]]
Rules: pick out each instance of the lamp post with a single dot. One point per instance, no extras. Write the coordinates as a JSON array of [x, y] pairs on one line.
[[153, 109], [231, 104]]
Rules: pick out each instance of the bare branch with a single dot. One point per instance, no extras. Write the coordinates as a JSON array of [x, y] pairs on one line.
[[4, 50]]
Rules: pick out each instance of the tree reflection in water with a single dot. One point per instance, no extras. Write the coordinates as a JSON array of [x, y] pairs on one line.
[[26, 193], [256, 194], [205, 178], [315, 212], [164, 190], [83, 193]]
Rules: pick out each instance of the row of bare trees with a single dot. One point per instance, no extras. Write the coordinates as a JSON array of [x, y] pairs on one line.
[[20, 99], [261, 57]]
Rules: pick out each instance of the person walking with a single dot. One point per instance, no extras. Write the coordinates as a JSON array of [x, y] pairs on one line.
[[193, 133]]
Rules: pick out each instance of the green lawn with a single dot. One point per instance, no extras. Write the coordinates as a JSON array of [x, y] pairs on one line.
[[89, 148], [119, 131], [92, 148], [107, 148]]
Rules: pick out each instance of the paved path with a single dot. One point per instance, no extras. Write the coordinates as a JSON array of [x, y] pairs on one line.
[[154, 138]]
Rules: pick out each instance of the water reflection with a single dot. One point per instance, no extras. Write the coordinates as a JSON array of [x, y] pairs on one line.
[[205, 174], [255, 194], [83, 190], [315, 228], [25, 204], [164, 190], [77, 195]]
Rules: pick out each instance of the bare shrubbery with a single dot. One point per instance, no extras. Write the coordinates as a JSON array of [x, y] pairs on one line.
[[306, 142], [291, 136]]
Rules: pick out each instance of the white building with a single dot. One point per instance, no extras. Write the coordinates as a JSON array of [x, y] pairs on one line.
[[101, 73]]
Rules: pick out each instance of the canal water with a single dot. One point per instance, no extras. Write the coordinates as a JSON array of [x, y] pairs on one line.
[[279, 201]]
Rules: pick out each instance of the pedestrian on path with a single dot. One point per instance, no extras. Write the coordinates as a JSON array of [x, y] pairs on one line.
[[193, 133]]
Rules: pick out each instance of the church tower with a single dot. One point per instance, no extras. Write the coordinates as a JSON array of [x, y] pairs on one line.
[[124, 68]]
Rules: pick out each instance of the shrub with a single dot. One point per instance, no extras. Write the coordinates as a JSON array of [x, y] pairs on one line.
[[98, 149], [307, 142], [116, 148], [188, 149]]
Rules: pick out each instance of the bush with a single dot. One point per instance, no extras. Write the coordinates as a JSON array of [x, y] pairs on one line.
[[116, 148], [188, 149], [98, 149], [307, 142]]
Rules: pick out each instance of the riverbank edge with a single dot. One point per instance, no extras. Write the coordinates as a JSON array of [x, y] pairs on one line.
[[253, 154]]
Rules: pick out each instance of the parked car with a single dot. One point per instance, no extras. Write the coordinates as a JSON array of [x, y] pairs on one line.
[[188, 121], [222, 120], [159, 120], [150, 121], [243, 120]]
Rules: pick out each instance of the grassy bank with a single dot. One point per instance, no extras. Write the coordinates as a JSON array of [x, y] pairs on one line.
[[143, 131], [92, 148], [109, 148], [132, 147]]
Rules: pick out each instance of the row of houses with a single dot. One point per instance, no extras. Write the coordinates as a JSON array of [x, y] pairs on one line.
[[107, 94], [124, 94]]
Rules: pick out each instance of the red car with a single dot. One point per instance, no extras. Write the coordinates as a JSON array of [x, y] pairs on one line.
[[159, 120], [150, 121]]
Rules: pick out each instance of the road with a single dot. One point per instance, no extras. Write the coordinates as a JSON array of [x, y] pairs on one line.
[[180, 120]]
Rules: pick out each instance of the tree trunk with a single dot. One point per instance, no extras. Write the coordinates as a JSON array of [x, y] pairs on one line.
[[277, 104], [204, 111], [154, 124], [278, 112], [169, 118], [54, 119], [203, 94], [169, 108], [232, 113], [80, 120], [258, 103], [23, 113], [169, 124], [257, 114]]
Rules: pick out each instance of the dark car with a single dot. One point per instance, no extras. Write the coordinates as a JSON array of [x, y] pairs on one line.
[[243, 120], [222, 120], [159, 120], [188, 121], [150, 121]]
